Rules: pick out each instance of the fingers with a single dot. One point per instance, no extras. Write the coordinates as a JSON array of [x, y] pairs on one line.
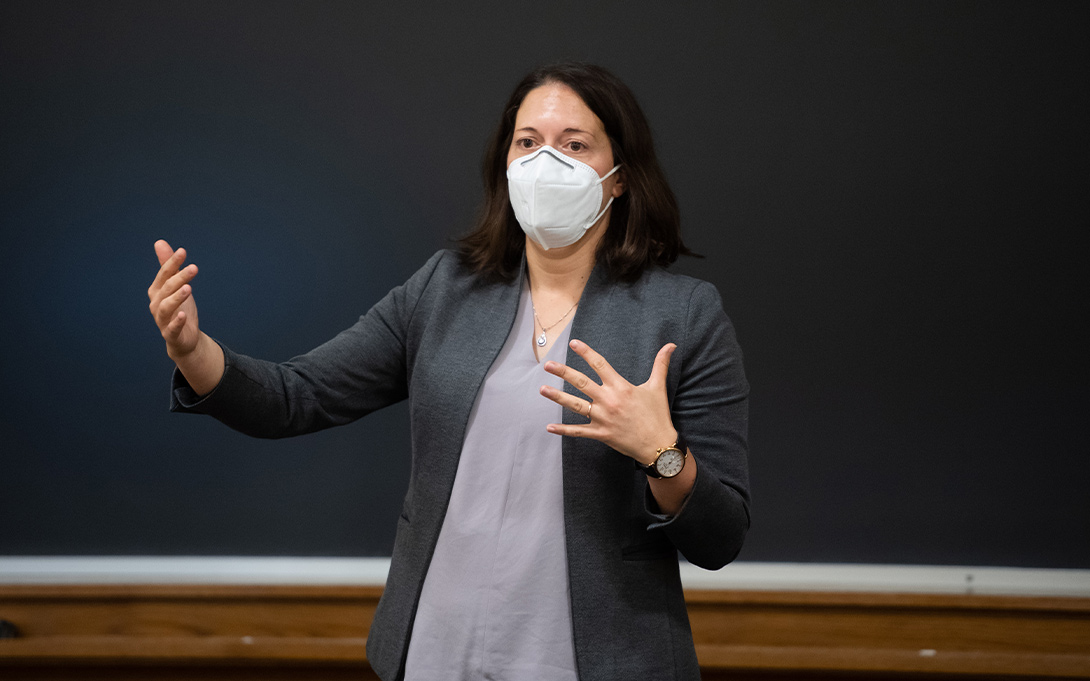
[[576, 378], [569, 402], [173, 330], [163, 251], [170, 290], [621, 415], [165, 311], [605, 370], [169, 297], [178, 281], [169, 261], [172, 305], [596, 362], [568, 430], [662, 364], [170, 279], [168, 265]]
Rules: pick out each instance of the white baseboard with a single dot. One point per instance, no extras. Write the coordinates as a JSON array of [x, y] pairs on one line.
[[372, 572]]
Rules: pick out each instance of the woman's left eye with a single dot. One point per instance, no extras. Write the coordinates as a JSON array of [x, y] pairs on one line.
[[577, 146]]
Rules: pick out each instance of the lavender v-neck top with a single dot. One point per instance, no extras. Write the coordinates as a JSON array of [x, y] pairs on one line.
[[495, 601]]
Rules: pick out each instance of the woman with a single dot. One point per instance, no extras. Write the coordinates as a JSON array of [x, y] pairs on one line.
[[539, 537]]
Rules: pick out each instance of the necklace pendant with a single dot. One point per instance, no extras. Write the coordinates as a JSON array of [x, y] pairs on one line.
[[542, 340]]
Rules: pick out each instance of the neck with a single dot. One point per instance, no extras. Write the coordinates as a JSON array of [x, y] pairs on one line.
[[563, 272]]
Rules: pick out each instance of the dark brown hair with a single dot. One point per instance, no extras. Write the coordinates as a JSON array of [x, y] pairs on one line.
[[645, 227]]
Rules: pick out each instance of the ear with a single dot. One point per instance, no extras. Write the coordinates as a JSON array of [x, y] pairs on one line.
[[619, 186]]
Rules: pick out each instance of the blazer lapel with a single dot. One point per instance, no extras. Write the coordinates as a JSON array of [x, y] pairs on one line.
[[590, 468], [482, 327]]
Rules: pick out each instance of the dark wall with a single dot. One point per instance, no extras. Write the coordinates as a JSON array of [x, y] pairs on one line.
[[890, 197]]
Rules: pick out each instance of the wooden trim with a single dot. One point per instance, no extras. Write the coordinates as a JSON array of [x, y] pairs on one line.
[[290, 592], [819, 660], [262, 650], [902, 600], [320, 632], [915, 634]]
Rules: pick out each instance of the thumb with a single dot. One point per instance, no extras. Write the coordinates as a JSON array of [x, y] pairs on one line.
[[163, 251], [662, 364]]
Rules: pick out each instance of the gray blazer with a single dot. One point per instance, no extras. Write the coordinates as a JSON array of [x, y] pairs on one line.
[[431, 341]]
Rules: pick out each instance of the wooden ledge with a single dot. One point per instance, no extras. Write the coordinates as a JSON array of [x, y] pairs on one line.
[[319, 632], [883, 661], [187, 591], [131, 650], [907, 601]]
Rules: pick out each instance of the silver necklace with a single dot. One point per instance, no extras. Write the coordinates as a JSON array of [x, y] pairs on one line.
[[542, 339]]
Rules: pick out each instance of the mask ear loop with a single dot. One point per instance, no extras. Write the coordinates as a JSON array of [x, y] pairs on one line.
[[608, 203]]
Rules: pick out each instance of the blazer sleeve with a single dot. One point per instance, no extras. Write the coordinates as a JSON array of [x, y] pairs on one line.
[[362, 369], [711, 408]]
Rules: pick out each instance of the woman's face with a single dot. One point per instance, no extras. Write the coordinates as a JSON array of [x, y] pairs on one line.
[[555, 115]]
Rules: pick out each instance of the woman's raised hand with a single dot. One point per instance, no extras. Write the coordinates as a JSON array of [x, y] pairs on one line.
[[633, 419], [199, 358], [172, 303]]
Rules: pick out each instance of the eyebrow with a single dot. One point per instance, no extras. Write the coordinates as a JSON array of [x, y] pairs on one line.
[[530, 129]]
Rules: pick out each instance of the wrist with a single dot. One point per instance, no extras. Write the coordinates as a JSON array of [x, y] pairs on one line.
[[669, 459], [203, 366], [192, 355], [648, 453]]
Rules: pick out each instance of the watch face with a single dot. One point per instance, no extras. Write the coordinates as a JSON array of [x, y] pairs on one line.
[[670, 463]]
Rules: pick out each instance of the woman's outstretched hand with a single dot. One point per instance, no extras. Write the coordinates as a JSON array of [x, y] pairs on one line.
[[199, 358], [633, 419], [172, 303]]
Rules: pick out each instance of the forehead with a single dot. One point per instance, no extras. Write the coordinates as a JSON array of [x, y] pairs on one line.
[[556, 106]]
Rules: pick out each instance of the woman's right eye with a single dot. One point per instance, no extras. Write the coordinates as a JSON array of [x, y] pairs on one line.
[[525, 143]]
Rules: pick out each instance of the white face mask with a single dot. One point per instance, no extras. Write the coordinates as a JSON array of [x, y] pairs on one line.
[[555, 197]]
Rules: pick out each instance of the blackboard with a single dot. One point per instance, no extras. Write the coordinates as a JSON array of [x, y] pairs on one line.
[[889, 196]]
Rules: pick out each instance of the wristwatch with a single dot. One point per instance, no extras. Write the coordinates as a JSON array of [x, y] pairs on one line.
[[670, 460]]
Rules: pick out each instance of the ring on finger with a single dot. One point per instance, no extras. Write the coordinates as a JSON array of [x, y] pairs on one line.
[[590, 405]]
